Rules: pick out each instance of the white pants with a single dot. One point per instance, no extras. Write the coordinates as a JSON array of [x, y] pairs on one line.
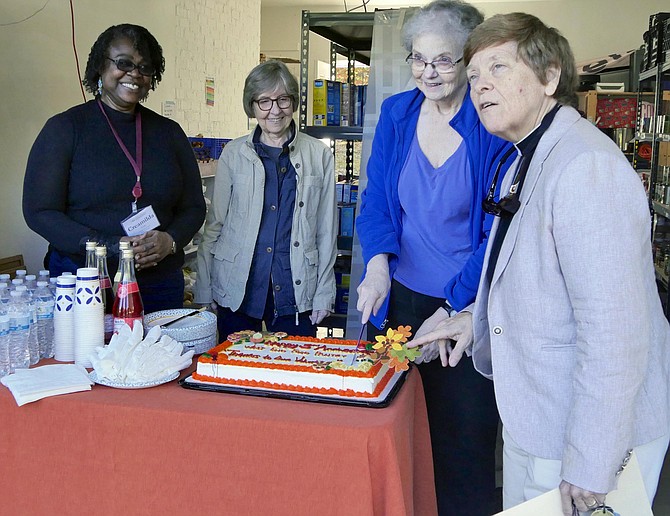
[[526, 476]]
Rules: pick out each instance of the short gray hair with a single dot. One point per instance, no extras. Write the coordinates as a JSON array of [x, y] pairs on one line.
[[540, 47], [268, 76], [452, 18]]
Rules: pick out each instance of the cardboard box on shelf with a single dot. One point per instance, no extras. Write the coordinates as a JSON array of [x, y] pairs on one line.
[[345, 104], [347, 220], [326, 102], [664, 154]]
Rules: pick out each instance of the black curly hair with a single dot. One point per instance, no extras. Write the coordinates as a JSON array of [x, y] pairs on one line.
[[142, 41]]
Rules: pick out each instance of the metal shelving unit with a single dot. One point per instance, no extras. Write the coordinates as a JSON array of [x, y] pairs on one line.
[[350, 35], [655, 133]]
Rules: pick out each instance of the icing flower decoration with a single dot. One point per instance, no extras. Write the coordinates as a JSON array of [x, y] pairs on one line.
[[391, 348]]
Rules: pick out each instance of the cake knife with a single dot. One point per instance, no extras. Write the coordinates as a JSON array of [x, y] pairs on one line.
[[358, 344], [197, 311]]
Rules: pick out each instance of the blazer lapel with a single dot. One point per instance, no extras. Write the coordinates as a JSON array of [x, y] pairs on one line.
[[564, 119]]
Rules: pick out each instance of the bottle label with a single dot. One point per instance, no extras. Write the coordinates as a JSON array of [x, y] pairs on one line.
[[45, 310], [109, 323], [127, 288], [19, 321], [130, 321], [105, 282]]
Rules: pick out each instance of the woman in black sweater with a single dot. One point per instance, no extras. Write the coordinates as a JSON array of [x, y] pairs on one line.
[[84, 175]]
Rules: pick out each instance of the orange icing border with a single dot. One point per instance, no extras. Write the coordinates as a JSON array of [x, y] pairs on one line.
[[223, 359], [295, 388]]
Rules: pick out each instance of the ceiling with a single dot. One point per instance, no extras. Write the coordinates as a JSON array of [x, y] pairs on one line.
[[339, 5]]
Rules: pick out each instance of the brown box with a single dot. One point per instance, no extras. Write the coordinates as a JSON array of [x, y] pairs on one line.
[[664, 154]]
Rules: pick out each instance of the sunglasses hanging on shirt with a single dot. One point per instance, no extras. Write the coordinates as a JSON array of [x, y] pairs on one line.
[[508, 205]]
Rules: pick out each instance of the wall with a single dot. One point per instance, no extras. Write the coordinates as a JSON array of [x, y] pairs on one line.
[[218, 39], [39, 78]]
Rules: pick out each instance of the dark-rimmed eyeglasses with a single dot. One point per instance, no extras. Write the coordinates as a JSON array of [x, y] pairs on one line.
[[508, 205], [126, 65], [283, 102], [441, 65]]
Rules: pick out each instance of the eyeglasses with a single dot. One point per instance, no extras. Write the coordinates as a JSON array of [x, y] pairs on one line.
[[266, 103], [441, 65], [508, 205], [126, 65]]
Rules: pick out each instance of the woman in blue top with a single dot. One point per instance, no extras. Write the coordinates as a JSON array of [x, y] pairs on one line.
[[423, 234]]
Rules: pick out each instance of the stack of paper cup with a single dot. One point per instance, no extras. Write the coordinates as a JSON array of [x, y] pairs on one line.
[[64, 319], [89, 313]]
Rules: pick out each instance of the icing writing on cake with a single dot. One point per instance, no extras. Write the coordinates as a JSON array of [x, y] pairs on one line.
[[303, 364]]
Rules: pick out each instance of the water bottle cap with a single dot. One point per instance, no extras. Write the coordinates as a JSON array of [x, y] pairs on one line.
[[15, 293], [17, 281], [20, 288], [44, 272], [66, 281], [4, 277], [53, 280], [42, 283], [31, 277], [21, 272], [3, 284]]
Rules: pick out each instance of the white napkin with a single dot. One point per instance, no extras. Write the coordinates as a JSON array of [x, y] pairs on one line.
[[130, 359], [29, 385]]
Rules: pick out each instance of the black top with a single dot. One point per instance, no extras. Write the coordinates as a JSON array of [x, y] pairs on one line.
[[526, 149], [78, 182]]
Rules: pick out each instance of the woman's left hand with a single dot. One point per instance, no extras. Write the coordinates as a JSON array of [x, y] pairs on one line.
[[150, 248], [583, 499], [457, 328]]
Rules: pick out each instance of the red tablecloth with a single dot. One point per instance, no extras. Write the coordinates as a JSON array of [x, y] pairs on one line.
[[169, 450]]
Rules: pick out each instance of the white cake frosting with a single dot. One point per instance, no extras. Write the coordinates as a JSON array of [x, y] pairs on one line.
[[309, 364]]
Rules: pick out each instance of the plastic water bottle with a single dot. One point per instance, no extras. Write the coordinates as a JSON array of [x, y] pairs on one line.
[[30, 282], [45, 302], [4, 297], [33, 342], [16, 282], [21, 274], [52, 285], [19, 330], [5, 278], [5, 366], [44, 275]]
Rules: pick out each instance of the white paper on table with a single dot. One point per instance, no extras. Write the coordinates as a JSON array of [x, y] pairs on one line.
[[27, 385], [629, 498]]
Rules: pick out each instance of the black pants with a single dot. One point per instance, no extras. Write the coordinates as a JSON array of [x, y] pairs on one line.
[[462, 415]]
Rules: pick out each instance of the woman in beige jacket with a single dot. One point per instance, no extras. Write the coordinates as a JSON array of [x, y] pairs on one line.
[[269, 244]]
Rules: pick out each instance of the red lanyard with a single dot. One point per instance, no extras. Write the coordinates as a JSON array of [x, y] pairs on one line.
[[137, 162]]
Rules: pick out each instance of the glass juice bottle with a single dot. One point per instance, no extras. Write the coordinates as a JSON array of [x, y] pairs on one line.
[[90, 253], [117, 277], [128, 307], [106, 291]]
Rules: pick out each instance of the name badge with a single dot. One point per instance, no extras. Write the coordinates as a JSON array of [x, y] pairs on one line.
[[140, 222]]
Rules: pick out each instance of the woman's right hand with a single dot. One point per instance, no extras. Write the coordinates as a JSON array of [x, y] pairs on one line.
[[374, 288]]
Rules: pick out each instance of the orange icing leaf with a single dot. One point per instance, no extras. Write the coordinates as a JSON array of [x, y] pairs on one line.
[[405, 331]]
